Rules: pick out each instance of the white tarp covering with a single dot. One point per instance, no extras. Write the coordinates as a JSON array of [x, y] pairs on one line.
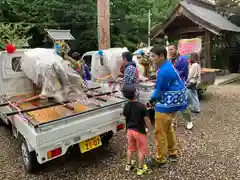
[[48, 71]]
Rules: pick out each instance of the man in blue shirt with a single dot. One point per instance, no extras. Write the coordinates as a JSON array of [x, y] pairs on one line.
[[170, 97], [181, 65], [179, 62]]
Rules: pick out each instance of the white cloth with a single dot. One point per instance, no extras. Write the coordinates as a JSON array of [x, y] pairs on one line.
[[194, 75], [48, 70]]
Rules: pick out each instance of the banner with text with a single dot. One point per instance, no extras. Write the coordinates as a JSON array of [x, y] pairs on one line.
[[187, 46]]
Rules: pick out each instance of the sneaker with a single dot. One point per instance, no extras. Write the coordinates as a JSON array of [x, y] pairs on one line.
[[174, 125], [145, 167], [173, 158], [195, 111], [141, 171], [161, 164], [189, 125], [148, 163], [129, 167]]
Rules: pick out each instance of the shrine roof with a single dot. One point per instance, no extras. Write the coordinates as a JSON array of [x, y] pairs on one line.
[[205, 17], [57, 34]]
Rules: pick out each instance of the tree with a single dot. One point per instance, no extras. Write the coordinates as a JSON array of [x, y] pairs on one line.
[[128, 22], [15, 34], [129, 19]]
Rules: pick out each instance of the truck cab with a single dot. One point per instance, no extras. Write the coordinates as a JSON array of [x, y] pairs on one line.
[[106, 64], [13, 81]]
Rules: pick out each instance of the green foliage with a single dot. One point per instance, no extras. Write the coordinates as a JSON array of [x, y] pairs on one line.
[[129, 22], [15, 34], [161, 10], [129, 19]]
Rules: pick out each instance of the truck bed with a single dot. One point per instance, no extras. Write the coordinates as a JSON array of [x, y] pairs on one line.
[[48, 114], [208, 77], [60, 126]]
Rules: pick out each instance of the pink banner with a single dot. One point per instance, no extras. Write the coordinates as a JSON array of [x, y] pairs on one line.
[[187, 46]]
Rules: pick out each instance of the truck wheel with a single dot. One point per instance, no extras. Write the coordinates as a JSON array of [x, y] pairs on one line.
[[6, 124], [29, 159], [106, 138], [1, 122], [200, 93], [15, 131]]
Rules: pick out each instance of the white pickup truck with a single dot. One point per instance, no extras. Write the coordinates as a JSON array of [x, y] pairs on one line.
[[47, 130]]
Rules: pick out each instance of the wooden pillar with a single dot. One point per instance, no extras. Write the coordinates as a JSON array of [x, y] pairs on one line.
[[103, 7], [207, 49]]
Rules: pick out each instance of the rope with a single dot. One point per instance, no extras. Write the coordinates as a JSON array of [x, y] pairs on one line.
[[103, 78], [14, 106], [26, 100]]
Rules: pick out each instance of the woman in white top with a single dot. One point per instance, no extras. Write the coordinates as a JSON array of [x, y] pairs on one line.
[[194, 79]]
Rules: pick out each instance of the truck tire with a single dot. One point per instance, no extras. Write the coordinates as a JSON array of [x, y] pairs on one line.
[[200, 96], [106, 138], [200, 93], [29, 159], [15, 131], [1, 122]]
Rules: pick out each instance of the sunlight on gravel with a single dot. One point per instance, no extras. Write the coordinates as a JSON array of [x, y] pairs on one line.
[[210, 151]]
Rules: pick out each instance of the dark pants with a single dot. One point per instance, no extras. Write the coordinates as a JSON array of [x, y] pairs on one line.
[[151, 114]]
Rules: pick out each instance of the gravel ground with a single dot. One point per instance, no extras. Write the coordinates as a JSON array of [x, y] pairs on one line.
[[210, 151]]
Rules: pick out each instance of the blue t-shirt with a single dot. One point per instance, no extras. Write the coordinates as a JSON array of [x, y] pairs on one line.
[[181, 64]]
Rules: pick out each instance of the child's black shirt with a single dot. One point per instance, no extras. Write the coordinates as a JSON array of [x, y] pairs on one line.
[[135, 113]]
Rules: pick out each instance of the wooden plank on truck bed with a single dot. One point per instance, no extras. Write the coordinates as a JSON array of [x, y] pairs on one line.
[[205, 70]]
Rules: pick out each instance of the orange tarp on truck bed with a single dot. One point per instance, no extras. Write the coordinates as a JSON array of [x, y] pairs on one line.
[[52, 113]]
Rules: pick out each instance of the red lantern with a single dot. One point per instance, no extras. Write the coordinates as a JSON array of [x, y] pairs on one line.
[[10, 49]]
